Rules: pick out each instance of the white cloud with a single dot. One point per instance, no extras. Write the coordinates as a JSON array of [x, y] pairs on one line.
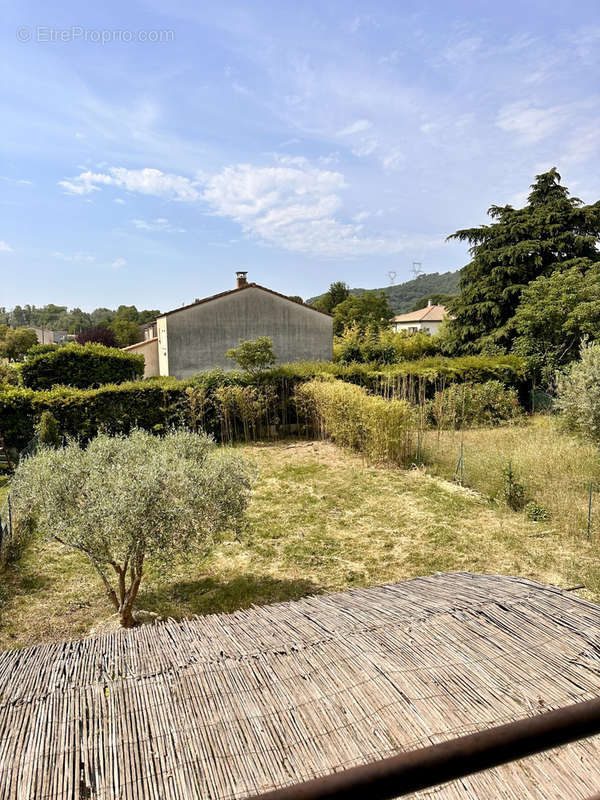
[[144, 181], [394, 159], [78, 258], [160, 225], [531, 124], [119, 200], [356, 127], [294, 208], [118, 263], [5, 248], [361, 216]]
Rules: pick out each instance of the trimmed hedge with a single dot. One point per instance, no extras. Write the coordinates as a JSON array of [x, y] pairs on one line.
[[158, 403], [80, 366]]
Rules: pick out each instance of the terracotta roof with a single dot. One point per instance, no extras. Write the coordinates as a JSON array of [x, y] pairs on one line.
[[241, 289], [429, 314]]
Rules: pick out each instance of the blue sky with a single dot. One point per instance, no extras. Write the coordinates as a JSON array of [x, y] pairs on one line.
[[304, 142]]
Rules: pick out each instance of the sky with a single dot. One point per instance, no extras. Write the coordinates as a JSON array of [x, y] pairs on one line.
[[148, 150]]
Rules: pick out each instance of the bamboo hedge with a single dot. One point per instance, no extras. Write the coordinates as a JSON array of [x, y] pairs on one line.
[[233, 405]]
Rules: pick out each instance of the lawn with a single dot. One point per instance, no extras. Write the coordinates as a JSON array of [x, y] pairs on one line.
[[320, 520]]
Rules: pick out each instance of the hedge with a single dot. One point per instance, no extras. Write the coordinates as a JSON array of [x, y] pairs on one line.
[[81, 366], [202, 401]]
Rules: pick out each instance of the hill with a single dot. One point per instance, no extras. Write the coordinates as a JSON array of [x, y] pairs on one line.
[[403, 296]]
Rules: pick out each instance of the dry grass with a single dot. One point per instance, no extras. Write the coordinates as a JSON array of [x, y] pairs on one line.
[[320, 520]]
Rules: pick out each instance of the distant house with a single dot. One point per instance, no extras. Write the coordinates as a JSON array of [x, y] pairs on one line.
[[427, 320], [196, 337], [47, 336]]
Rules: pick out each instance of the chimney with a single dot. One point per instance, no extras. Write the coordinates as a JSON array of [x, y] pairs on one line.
[[429, 303], [240, 277]]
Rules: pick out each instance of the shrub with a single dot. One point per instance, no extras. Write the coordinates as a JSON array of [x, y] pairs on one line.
[[382, 430], [125, 500], [253, 356], [382, 346], [578, 393], [513, 490], [48, 432], [81, 366], [473, 404], [8, 375], [159, 403]]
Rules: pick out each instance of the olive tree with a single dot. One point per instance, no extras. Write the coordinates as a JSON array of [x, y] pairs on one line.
[[126, 499]]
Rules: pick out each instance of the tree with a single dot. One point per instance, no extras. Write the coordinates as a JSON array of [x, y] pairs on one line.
[[253, 356], [371, 309], [337, 293], [555, 313], [123, 501], [296, 298], [518, 247], [125, 332], [16, 343], [578, 393], [100, 335]]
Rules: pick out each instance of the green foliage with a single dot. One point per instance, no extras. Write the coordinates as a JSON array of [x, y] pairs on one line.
[[123, 501], [382, 430], [81, 366], [245, 411], [15, 342], [253, 356], [382, 346], [517, 248], [126, 332], [47, 430], [403, 296], [337, 293], [370, 310], [470, 405], [578, 393], [8, 375], [536, 512], [513, 490], [56, 317], [159, 403], [555, 313]]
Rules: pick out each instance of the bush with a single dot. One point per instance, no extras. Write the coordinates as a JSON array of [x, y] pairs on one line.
[[81, 366], [382, 346], [513, 490], [159, 403], [123, 501], [8, 375], [473, 404], [48, 433], [382, 430], [253, 356], [578, 393]]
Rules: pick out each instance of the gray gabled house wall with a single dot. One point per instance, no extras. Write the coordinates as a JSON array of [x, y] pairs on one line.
[[195, 338]]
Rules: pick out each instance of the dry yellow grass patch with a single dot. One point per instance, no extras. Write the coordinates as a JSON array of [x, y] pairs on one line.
[[320, 520]]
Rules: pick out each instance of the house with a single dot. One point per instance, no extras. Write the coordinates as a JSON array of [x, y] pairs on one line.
[[47, 336], [196, 337], [230, 705], [426, 320]]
